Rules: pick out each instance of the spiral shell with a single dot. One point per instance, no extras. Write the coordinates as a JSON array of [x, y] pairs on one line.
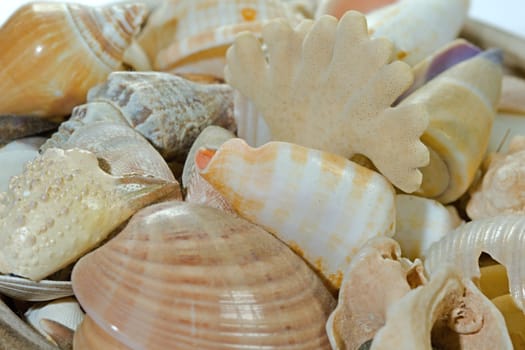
[[186, 276], [53, 53], [167, 110], [462, 104], [322, 205], [182, 36]]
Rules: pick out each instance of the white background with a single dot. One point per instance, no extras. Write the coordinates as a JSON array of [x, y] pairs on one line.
[[508, 14]]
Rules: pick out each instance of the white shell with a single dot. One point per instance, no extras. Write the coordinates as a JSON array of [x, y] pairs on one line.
[[15, 155]]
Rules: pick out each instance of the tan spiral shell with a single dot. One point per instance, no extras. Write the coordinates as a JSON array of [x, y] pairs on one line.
[[53, 53], [185, 276]]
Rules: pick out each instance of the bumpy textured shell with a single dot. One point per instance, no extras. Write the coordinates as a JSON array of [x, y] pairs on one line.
[[199, 36], [167, 110], [186, 276], [501, 191], [62, 206], [322, 205], [461, 103], [53, 53]]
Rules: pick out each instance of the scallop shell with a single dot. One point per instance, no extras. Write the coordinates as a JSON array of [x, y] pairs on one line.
[[462, 104], [376, 279], [65, 311], [210, 281], [501, 190], [64, 205], [183, 36], [167, 110], [322, 205], [53, 53], [120, 149], [199, 190]]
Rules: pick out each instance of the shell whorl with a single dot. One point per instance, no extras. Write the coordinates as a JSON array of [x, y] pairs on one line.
[[107, 30]]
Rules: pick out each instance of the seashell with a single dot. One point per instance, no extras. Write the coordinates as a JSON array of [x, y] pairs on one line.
[[376, 279], [60, 52], [514, 319], [14, 127], [90, 336], [461, 99], [167, 110], [25, 289], [338, 8], [181, 36], [512, 95], [502, 186], [64, 205], [14, 156], [501, 237], [96, 128], [417, 28], [251, 125], [199, 190], [323, 206], [493, 281], [220, 282], [421, 222], [16, 334], [456, 316], [65, 311]]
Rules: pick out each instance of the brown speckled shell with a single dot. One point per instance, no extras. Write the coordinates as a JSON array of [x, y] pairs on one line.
[[167, 110], [185, 276]]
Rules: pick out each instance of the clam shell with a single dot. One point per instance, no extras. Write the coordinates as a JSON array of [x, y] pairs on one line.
[[167, 110], [53, 53], [62, 206], [200, 37], [186, 276], [322, 205], [461, 103]]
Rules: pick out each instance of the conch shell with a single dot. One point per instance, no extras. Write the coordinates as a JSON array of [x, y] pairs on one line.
[[501, 190], [209, 281], [53, 53], [323, 206], [167, 110], [181, 36], [62, 206]]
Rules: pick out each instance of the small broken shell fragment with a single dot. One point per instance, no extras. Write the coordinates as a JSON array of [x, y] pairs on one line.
[[377, 278], [323, 206], [418, 27], [449, 313], [501, 190], [62, 206], [514, 319], [209, 281], [502, 237], [53, 53], [326, 85], [65, 311], [197, 189], [421, 222], [461, 103], [169, 111]]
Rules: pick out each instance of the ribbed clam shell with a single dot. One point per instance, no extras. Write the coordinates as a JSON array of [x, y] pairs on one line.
[[200, 36], [25, 289], [122, 150], [185, 276], [199, 190], [62, 206], [322, 205], [53, 53], [461, 103], [167, 110], [502, 237], [89, 336]]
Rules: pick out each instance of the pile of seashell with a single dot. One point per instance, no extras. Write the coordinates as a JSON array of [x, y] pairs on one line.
[[261, 174]]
